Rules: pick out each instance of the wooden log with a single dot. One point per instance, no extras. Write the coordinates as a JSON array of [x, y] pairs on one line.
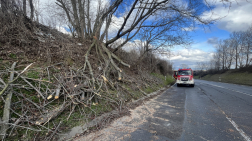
[[52, 114], [50, 96], [57, 92], [6, 113]]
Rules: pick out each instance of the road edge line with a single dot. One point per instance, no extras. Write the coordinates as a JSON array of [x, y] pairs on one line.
[[243, 134]]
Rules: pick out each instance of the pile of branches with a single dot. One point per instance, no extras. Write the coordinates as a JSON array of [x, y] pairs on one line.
[[32, 103]]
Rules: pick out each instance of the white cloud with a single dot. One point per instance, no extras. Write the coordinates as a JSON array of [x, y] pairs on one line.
[[190, 57], [189, 28], [136, 45], [62, 29], [234, 17]]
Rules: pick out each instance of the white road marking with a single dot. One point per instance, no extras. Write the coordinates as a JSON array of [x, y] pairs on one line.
[[228, 89], [247, 138], [243, 134], [203, 138]]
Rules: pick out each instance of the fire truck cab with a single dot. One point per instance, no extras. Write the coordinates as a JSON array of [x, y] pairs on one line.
[[175, 74], [185, 77]]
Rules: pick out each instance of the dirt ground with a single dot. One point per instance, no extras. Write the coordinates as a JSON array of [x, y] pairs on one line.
[[122, 127]]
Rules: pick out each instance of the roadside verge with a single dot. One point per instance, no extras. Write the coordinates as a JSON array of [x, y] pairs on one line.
[[103, 120]]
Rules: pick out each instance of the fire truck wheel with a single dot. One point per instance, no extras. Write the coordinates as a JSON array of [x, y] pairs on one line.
[[192, 85]]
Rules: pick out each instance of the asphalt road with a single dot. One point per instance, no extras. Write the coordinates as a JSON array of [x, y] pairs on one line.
[[217, 111], [210, 111]]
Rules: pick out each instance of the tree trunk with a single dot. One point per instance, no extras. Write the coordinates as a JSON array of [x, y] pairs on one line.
[[82, 19], [76, 18], [89, 20], [24, 7], [236, 57], [223, 58], [247, 56], [32, 10]]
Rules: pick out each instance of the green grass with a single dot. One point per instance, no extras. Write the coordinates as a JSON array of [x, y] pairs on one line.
[[137, 95], [229, 77], [33, 74], [149, 90], [166, 81], [169, 80], [13, 56], [1, 108]]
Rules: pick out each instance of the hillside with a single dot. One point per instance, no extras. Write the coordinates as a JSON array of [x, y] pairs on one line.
[[50, 82], [242, 76]]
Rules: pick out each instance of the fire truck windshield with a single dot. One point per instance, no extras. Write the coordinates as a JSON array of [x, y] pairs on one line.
[[184, 72]]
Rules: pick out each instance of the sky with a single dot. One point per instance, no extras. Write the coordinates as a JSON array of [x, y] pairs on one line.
[[238, 17], [234, 17]]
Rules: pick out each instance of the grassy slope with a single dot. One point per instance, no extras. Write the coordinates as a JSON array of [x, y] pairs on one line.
[[243, 78]]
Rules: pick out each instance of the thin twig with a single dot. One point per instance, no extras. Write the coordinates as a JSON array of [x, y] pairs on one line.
[[54, 131], [33, 87]]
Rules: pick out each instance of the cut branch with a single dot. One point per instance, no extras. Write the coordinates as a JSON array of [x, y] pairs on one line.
[[52, 114], [6, 113], [7, 85]]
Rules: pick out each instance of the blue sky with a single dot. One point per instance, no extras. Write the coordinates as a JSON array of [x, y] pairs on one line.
[[236, 18]]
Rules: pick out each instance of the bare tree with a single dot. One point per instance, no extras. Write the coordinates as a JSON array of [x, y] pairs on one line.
[[171, 17], [32, 9], [24, 7], [135, 19], [235, 50], [212, 64], [206, 65], [237, 39], [248, 46], [217, 60]]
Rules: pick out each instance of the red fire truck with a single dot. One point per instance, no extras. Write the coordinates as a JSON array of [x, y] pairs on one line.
[[185, 77], [175, 74]]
